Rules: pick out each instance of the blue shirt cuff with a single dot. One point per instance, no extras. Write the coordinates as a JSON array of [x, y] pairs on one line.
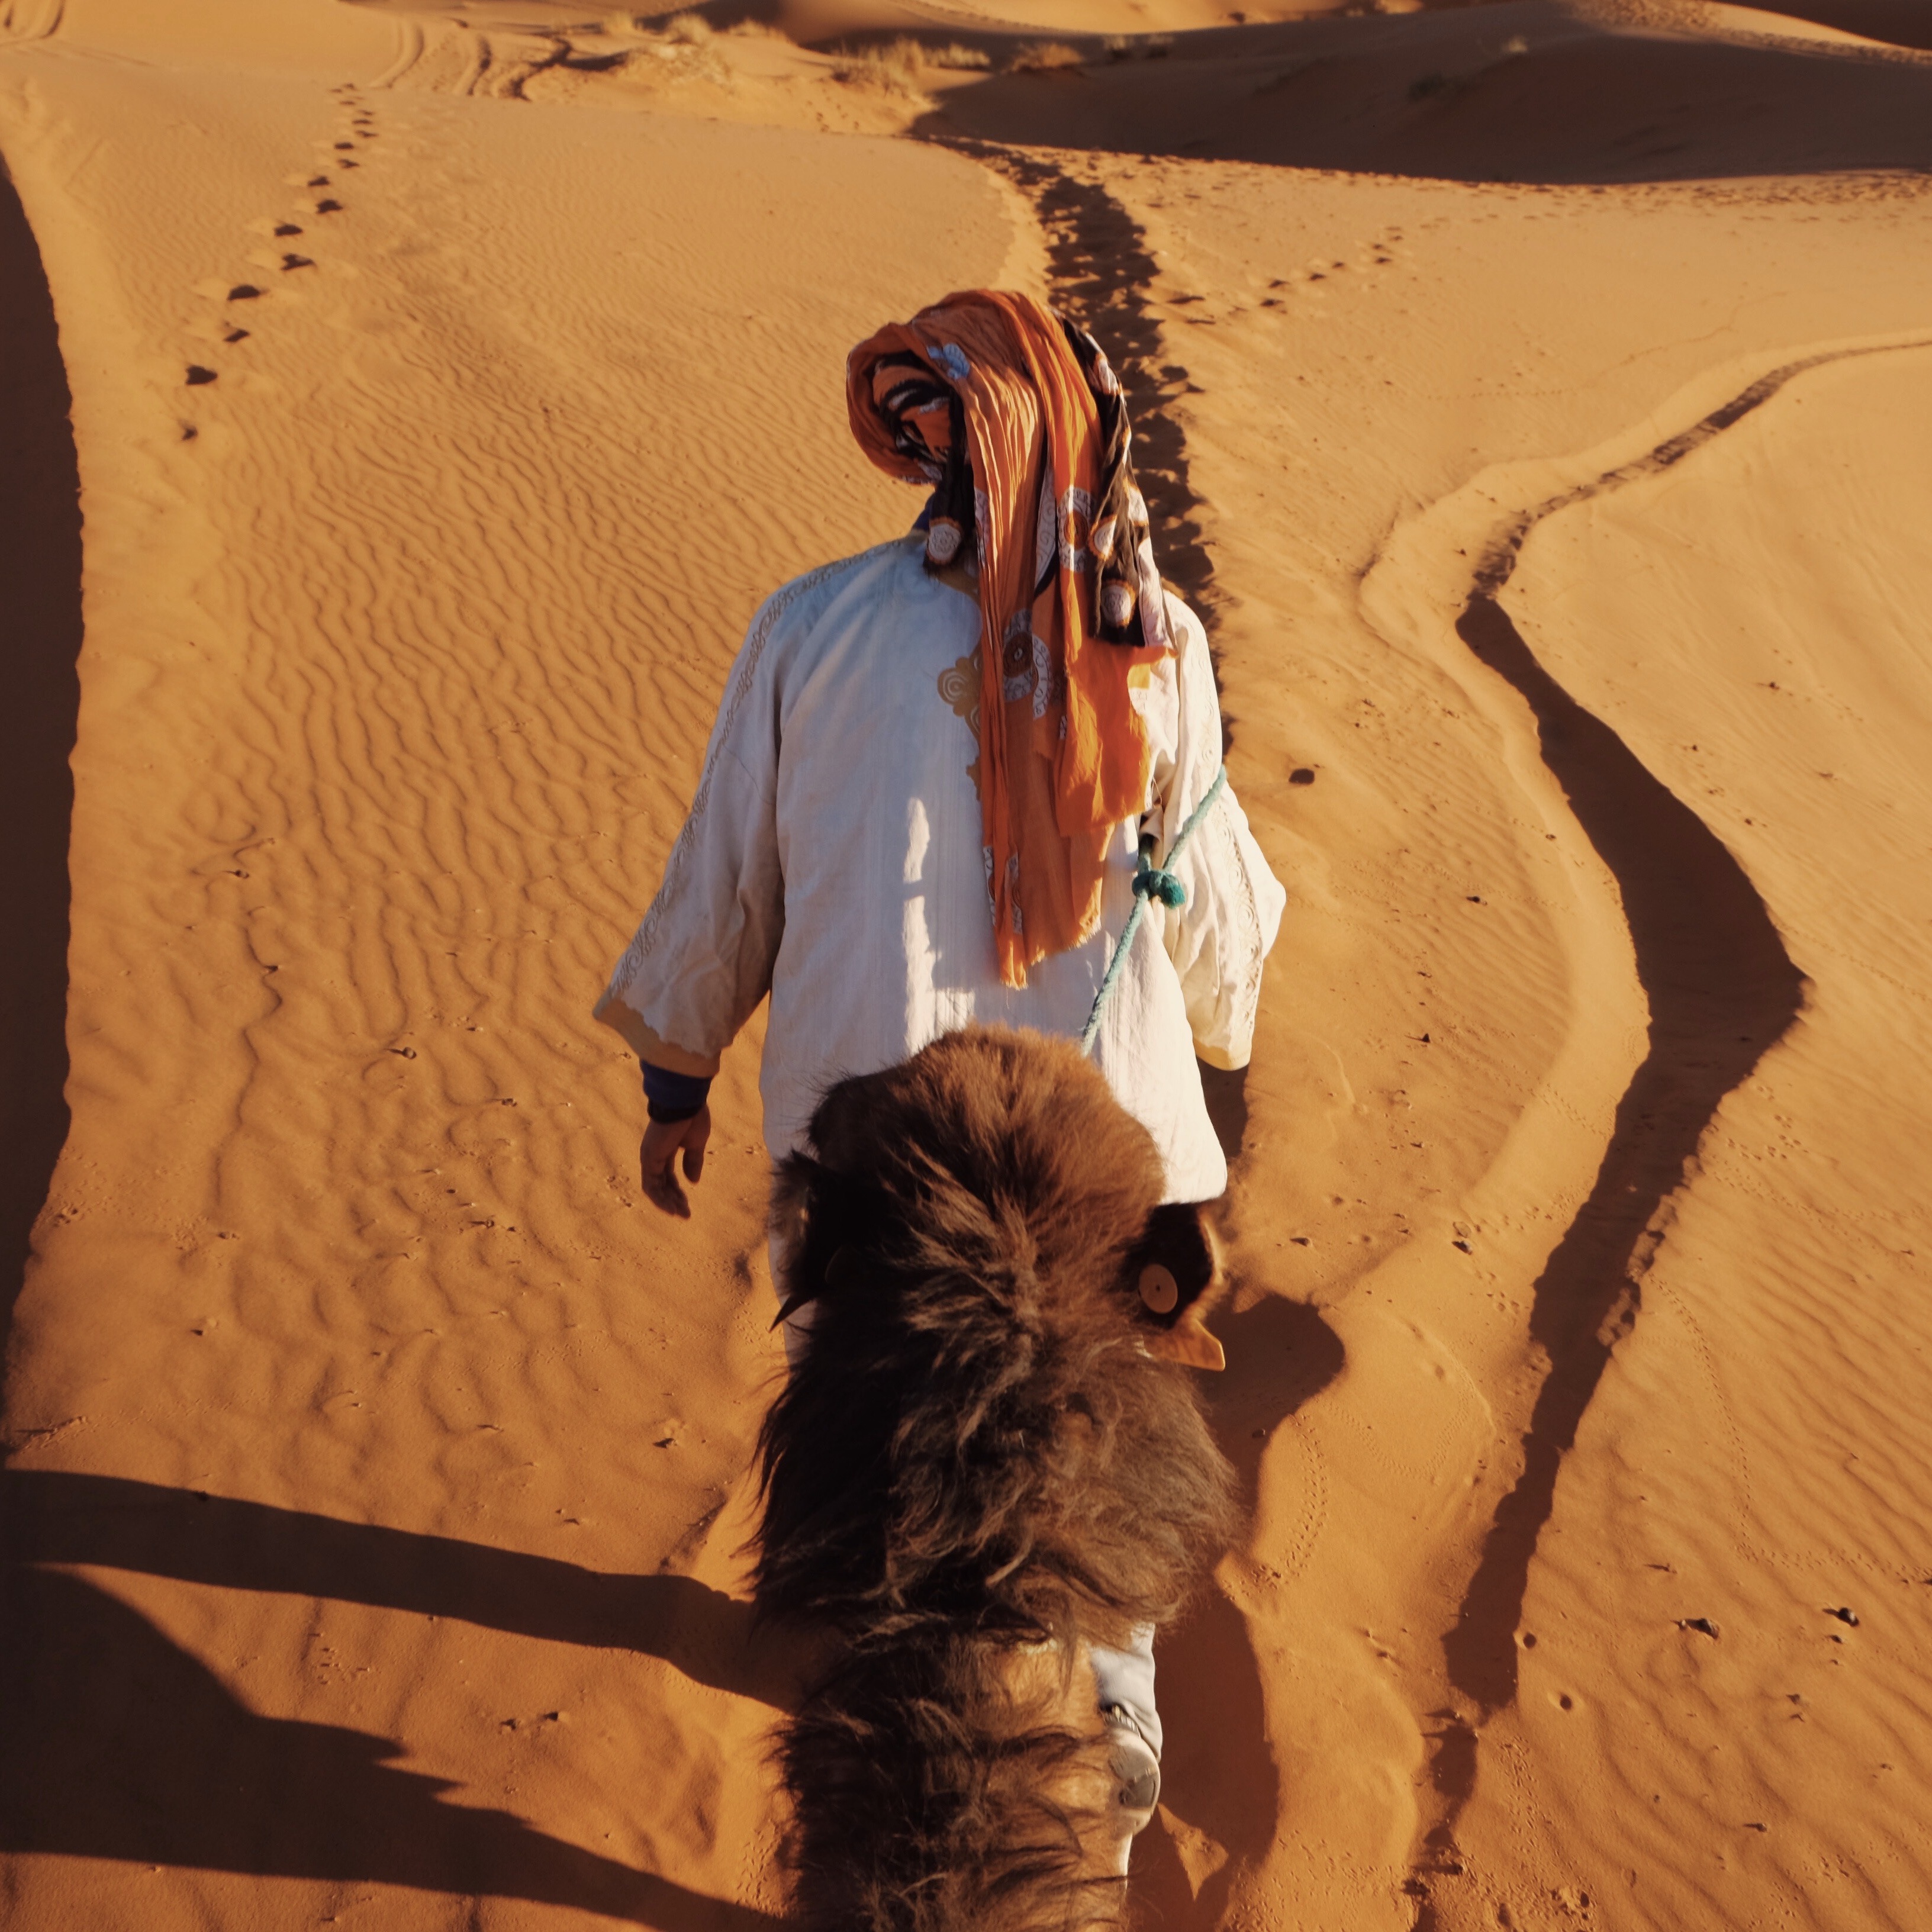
[[673, 1097]]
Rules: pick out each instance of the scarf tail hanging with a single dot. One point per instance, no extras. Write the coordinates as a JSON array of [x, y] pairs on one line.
[[1016, 421]]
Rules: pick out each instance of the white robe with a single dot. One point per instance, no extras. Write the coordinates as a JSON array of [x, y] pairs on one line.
[[833, 857]]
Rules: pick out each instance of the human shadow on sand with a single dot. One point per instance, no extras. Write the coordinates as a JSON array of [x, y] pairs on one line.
[[121, 1746], [1218, 1771], [62, 1516]]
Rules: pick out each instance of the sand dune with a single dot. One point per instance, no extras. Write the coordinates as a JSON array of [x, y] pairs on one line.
[[1525, 91], [1547, 447], [1895, 22]]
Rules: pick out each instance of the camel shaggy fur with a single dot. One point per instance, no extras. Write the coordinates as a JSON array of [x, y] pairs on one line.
[[986, 1460]]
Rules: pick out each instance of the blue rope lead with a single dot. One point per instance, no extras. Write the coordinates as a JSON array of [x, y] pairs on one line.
[[1150, 882]]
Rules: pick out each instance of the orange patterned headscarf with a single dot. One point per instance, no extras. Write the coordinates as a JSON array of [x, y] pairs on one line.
[[1015, 420]]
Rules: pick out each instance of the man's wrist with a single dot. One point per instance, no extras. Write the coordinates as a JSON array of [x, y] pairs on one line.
[[669, 1097]]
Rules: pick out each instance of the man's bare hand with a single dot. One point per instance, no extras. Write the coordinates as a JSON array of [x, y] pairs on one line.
[[658, 1159]]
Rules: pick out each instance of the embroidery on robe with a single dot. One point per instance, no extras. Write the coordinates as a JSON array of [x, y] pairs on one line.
[[959, 686]]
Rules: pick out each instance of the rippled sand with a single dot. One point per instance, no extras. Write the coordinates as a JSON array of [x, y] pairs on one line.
[[1539, 403]]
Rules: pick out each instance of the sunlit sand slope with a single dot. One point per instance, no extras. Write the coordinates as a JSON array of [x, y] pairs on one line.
[[434, 455]]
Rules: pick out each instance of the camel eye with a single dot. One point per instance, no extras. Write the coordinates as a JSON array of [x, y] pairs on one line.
[[1159, 1289]]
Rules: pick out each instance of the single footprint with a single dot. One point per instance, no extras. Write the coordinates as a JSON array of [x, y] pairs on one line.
[[286, 228], [327, 207], [296, 262], [316, 180], [236, 335], [243, 292], [197, 375]]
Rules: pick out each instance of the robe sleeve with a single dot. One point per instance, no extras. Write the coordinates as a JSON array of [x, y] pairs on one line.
[[702, 958], [1219, 939]]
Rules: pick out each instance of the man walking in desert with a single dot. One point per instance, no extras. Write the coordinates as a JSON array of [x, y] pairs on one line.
[[937, 776], [934, 766]]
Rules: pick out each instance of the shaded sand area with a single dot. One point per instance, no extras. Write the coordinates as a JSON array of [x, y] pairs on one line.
[[1539, 401]]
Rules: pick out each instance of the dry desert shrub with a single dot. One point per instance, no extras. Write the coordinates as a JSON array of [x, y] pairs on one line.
[[685, 47], [1045, 57], [687, 29], [898, 66], [894, 68]]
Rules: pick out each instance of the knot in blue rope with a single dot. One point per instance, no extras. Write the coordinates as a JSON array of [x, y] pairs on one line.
[[1150, 882]]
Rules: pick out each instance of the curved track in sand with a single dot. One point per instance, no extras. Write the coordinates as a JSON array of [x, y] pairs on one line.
[[1717, 976], [1722, 991]]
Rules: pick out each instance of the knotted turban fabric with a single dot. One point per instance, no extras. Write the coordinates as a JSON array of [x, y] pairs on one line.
[[1014, 420]]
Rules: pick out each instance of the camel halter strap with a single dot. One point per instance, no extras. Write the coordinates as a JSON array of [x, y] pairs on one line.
[[1150, 882]]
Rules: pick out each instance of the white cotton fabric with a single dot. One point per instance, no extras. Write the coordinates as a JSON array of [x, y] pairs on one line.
[[833, 857]]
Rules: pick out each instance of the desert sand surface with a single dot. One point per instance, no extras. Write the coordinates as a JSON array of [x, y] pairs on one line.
[[407, 409]]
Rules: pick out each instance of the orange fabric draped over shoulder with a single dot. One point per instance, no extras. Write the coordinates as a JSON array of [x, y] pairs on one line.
[[1065, 571]]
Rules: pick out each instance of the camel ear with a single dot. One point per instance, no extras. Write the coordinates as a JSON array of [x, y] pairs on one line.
[[819, 1218], [1171, 1268], [1189, 1341], [1178, 1250]]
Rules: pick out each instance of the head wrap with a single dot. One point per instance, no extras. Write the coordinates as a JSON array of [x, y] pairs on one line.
[[1013, 418]]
